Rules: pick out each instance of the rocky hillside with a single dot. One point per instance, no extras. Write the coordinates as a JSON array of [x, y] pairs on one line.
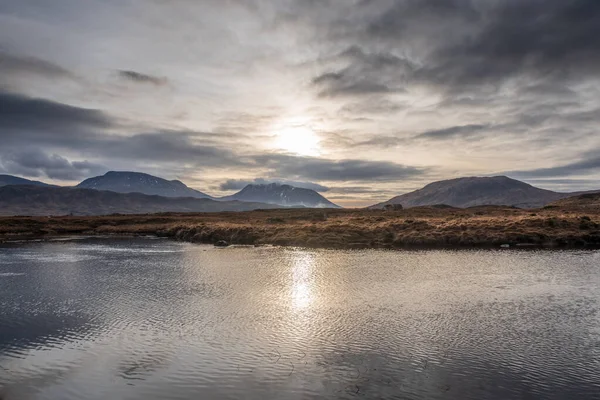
[[137, 182], [283, 195], [476, 191], [36, 201]]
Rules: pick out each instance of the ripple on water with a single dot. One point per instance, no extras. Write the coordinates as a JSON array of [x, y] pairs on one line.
[[156, 319]]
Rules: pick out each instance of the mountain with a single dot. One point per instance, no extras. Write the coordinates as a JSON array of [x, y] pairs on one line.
[[15, 180], [283, 195], [36, 200], [137, 182], [477, 191]]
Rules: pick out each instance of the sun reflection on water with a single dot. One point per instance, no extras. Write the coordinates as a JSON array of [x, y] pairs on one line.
[[302, 289]]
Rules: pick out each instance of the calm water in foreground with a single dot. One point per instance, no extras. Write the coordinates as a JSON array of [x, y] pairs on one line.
[[155, 319]]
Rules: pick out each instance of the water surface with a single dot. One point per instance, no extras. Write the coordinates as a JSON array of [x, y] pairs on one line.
[[156, 319]]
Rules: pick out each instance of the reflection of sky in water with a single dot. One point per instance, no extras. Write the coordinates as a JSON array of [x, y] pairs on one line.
[[165, 320]]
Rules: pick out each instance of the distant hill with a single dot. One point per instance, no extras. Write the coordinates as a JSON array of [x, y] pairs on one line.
[[137, 182], [582, 201], [6, 180], [36, 201], [283, 195], [477, 191]]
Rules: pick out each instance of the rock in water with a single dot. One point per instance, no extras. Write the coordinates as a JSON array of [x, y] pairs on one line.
[[221, 243]]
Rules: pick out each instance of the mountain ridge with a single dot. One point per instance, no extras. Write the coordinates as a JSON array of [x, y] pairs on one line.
[[477, 191], [139, 182], [6, 180], [41, 201], [282, 194]]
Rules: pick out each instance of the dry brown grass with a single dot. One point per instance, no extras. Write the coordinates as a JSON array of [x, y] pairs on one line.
[[424, 226]]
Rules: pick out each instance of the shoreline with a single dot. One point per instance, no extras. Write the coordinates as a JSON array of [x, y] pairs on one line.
[[408, 247], [417, 228]]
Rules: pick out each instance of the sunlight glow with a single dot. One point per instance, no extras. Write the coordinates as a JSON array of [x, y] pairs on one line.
[[298, 139]]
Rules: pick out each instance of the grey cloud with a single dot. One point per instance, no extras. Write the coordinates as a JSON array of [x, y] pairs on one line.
[[25, 121], [13, 64], [462, 131], [238, 184], [586, 166], [566, 185], [381, 141], [36, 163], [343, 84], [354, 190], [366, 73], [21, 112], [139, 77], [320, 169], [165, 146], [553, 39], [372, 106], [458, 46]]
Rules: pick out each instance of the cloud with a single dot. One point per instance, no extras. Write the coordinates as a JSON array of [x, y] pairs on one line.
[[586, 166], [342, 84], [36, 163], [364, 74], [12, 64], [23, 121], [238, 184], [454, 131], [457, 46], [26, 121], [138, 77], [18, 112], [374, 105], [320, 169]]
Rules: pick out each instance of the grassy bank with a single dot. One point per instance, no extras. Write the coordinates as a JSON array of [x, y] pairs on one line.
[[416, 227]]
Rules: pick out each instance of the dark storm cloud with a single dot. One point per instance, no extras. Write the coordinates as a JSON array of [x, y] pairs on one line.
[[12, 64], [463, 45], [319, 169], [138, 77], [238, 184], [36, 163]]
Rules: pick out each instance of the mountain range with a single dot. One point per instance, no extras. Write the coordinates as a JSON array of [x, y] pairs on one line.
[[134, 192], [478, 191], [37, 200]]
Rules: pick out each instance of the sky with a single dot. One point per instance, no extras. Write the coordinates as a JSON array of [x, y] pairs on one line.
[[362, 100]]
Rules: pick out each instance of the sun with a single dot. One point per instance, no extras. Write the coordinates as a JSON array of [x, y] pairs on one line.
[[298, 139]]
